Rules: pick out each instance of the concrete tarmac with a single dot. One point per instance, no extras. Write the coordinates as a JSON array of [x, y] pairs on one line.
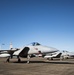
[[37, 66]]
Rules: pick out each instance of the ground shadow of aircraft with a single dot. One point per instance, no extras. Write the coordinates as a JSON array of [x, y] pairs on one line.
[[50, 62]]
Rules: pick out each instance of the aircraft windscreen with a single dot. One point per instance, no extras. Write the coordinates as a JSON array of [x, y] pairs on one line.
[[34, 44]]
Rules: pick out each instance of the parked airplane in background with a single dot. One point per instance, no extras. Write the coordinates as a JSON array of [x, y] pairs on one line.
[[60, 54], [67, 54]]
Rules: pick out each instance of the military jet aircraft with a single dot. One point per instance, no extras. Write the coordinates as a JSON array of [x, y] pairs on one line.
[[33, 48]]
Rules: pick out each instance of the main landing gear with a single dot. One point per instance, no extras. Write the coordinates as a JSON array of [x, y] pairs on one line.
[[19, 60], [28, 57], [8, 59]]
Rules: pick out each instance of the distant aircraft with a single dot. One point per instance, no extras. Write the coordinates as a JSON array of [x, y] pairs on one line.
[[67, 54], [60, 54], [28, 51]]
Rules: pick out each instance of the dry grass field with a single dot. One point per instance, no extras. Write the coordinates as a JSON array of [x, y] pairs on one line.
[[37, 66]]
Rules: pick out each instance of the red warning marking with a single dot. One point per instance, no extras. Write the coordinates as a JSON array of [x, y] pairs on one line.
[[36, 48]]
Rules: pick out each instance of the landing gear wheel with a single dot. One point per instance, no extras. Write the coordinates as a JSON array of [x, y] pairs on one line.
[[51, 58], [19, 60], [47, 58], [8, 59], [28, 57]]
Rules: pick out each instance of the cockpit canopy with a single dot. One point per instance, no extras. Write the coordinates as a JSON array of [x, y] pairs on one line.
[[34, 44]]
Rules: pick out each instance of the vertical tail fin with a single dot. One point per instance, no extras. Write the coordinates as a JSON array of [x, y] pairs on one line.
[[11, 46]]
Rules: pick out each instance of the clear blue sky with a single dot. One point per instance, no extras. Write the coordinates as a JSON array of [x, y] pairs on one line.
[[49, 22]]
